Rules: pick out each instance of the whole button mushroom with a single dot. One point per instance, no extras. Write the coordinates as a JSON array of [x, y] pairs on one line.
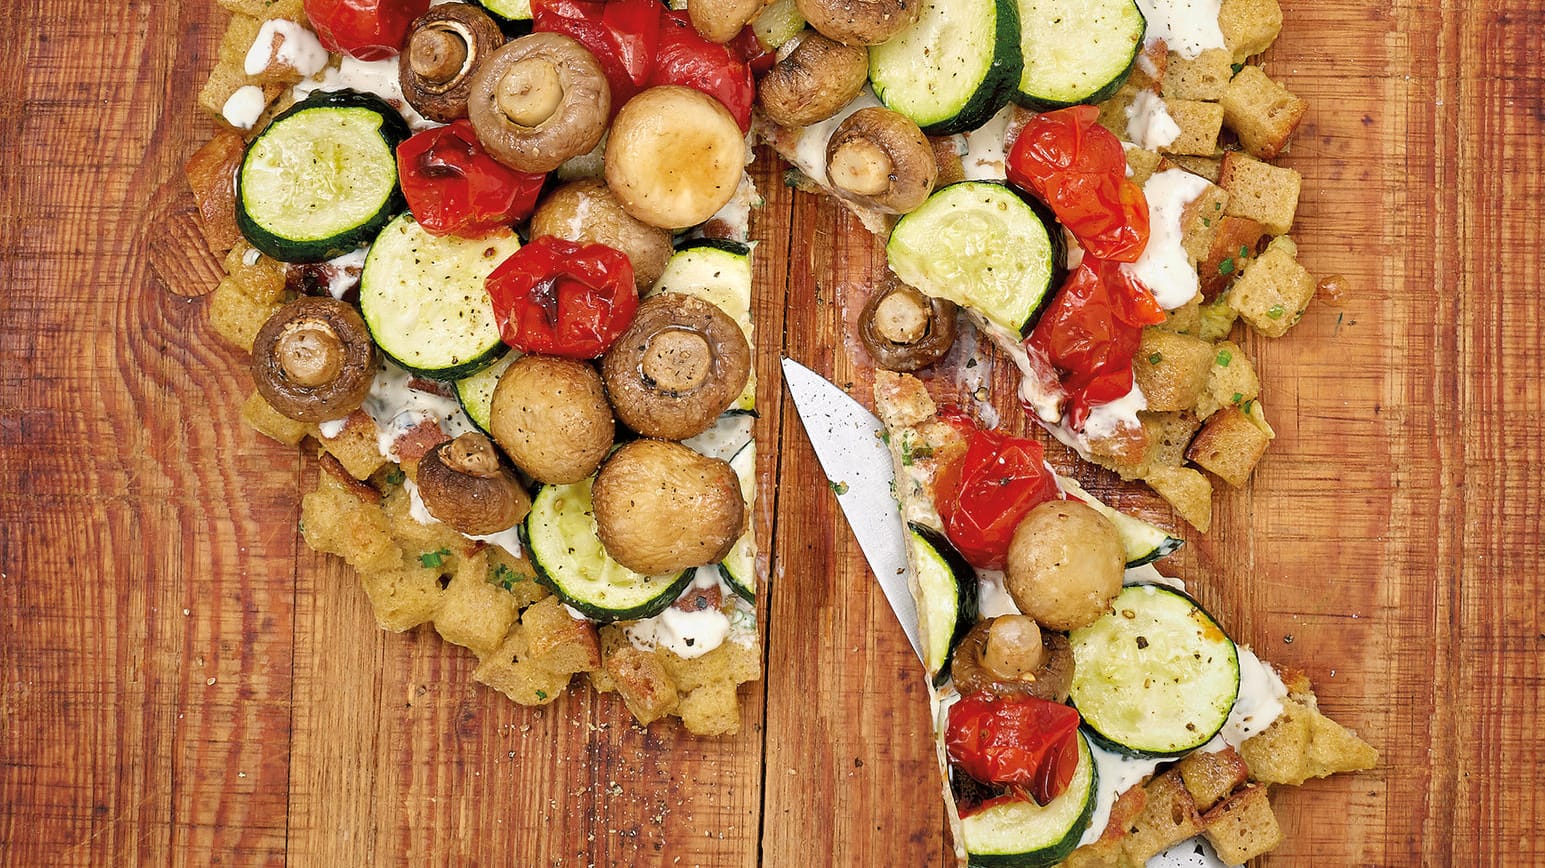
[[861, 22], [1065, 564], [674, 157], [680, 365], [814, 82], [661, 508], [880, 159], [445, 49], [313, 360], [905, 330], [586, 211], [722, 20], [463, 484], [551, 417], [538, 101]]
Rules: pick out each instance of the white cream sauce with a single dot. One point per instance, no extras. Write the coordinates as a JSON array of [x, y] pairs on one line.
[[1164, 267], [332, 427], [343, 272], [736, 214], [1191, 853], [992, 596], [1149, 124], [288, 44], [1044, 399], [1259, 703], [377, 76], [396, 408], [244, 107], [693, 633], [984, 157], [1188, 27], [1106, 419], [809, 151], [1117, 774]]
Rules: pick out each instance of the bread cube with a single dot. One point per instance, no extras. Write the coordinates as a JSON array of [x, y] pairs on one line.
[[1230, 382], [261, 278], [712, 709], [1210, 776], [557, 640], [1260, 191], [1169, 434], [1201, 221], [1171, 369], [1243, 827], [403, 598], [473, 613], [1185, 320], [1200, 122], [1204, 77], [1232, 247], [1216, 320], [730, 663], [522, 681], [356, 447], [1125, 451], [640, 678], [1263, 113], [265, 9], [1105, 853], [1229, 446], [270, 422], [1249, 26], [236, 316], [1186, 490], [1143, 164], [1169, 817], [418, 538], [1207, 167], [334, 520], [517, 576], [1274, 291]]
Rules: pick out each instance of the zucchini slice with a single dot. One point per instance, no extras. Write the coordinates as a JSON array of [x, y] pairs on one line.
[[947, 588], [1142, 541], [1026, 835], [423, 298], [1155, 676], [983, 247], [507, 11], [953, 69], [476, 393], [739, 567], [1076, 51], [560, 534], [719, 272], [321, 180]]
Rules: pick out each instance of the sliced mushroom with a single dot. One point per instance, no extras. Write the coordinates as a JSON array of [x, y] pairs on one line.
[[447, 45], [677, 368], [1011, 655], [538, 101], [661, 508], [551, 417], [674, 157], [814, 82], [463, 484], [861, 22], [905, 330], [313, 360], [881, 160], [722, 20], [587, 211]]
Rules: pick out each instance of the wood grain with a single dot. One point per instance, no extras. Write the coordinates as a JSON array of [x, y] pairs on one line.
[[182, 682]]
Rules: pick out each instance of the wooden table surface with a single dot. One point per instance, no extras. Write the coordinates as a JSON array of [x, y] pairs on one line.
[[183, 682]]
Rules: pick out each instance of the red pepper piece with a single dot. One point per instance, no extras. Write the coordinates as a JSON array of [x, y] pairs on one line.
[[364, 29], [624, 36], [454, 187], [560, 298], [689, 60]]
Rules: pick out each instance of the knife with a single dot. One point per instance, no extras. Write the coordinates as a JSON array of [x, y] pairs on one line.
[[847, 441]]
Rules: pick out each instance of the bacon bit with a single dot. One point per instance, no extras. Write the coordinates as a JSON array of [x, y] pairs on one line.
[[433, 387], [359, 488], [1332, 289], [357, 422], [717, 228], [700, 600], [418, 440]]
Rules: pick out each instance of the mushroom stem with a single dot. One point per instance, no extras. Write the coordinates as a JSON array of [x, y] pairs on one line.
[[473, 454], [861, 167], [1014, 649], [310, 353], [439, 52], [902, 317], [677, 360], [530, 92]]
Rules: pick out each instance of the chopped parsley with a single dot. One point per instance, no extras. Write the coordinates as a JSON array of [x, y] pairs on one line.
[[1226, 266], [839, 488], [1277, 311], [1155, 358], [395, 476], [909, 454], [541, 695], [434, 559], [505, 577], [1238, 396], [1224, 357]]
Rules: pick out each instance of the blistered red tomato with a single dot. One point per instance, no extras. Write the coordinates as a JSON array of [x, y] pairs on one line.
[[364, 29], [1027, 744], [983, 493], [454, 187], [560, 298], [1079, 169], [687, 59]]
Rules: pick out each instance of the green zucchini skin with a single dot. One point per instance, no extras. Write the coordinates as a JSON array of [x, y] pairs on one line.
[[911, 81], [393, 131], [966, 597], [1048, 22], [1056, 841]]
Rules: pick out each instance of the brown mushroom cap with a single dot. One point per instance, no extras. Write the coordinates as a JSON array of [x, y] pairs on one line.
[[446, 47], [880, 159], [680, 365], [538, 101], [551, 417], [861, 22], [313, 360], [463, 484], [1049, 680], [818, 78], [722, 20], [675, 156], [905, 330], [1065, 564], [587, 211], [661, 508]]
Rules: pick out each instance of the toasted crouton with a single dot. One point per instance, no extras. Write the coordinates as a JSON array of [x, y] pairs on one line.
[[1230, 382], [1260, 191], [1210, 776], [1216, 319], [1243, 827], [1105, 853], [640, 678], [294, 10], [1143, 164], [1302, 743], [1187, 491], [1232, 247], [1169, 434], [1185, 320], [270, 422], [1229, 446], [712, 709], [1203, 77], [1201, 220], [1169, 817], [1207, 167], [335, 521], [1249, 26], [1200, 122], [1274, 291], [557, 640], [1171, 369], [403, 598], [1263, 113], [356, 446], [237, 316], [521, 680], [474, 613]]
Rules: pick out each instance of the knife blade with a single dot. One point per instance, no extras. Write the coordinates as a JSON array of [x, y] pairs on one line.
[[848, 444]]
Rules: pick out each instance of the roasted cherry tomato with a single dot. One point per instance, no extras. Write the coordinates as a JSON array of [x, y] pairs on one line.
[[750, 49], [1079, 169], [624, 35], [1027, 744], [984, 492], [454, 187], [364, 29], [687, 59], [1090, 332], [560, 298]]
